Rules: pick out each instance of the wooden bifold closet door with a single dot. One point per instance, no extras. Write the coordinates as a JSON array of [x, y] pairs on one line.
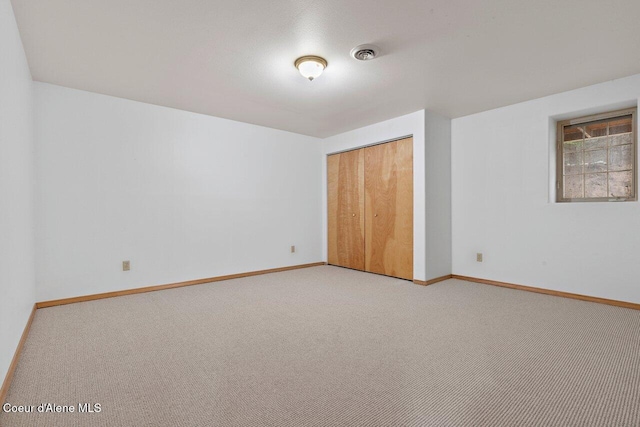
[[345, 187], [389, 208], [370, 209]]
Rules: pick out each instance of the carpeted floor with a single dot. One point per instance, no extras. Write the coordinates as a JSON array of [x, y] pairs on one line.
[[326, 346]]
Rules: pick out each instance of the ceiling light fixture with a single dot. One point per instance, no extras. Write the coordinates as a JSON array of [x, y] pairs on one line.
[[311, 66]]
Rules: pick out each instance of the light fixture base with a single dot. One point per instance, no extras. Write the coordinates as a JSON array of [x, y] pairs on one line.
[[310, 58]]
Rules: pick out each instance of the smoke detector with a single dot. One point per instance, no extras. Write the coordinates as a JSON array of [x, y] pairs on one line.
[[365, 52]]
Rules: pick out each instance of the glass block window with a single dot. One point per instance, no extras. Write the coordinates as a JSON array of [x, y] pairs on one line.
[[597, 158]]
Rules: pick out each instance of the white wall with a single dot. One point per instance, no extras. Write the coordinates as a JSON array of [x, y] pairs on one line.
[[410, 124], [17, 294], [503, 203], [181, 195], [438, 195]]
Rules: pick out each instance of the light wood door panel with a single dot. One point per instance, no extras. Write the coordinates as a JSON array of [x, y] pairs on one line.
[[389, 208], [345, 202]]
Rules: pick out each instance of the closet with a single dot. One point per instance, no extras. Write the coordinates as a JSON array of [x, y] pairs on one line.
[[370, 208]]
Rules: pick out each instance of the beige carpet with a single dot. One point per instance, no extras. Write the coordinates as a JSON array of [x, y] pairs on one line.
[[329, 346]]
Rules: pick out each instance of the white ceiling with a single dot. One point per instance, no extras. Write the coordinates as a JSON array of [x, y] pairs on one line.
[[234, 59]]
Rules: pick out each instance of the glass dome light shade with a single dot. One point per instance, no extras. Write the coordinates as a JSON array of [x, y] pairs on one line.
[[311, 66]]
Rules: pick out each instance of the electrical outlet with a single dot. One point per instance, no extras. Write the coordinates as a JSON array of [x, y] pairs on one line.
[[293, 249], [126, 265], [479, 257]]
